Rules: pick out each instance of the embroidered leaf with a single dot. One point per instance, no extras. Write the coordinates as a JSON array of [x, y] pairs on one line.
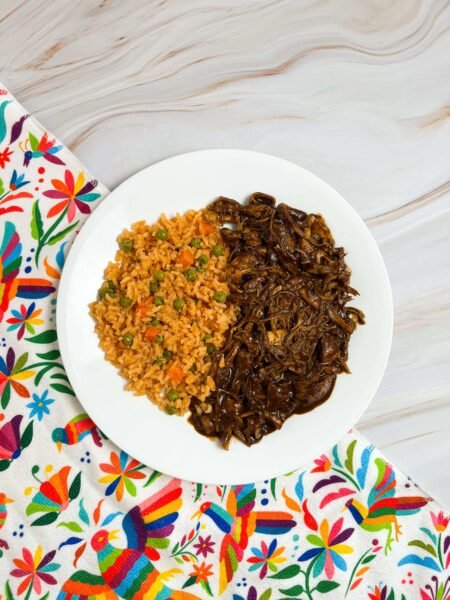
[[27, 436], [59, 387], [427, 547], [189, 582], [8, 592], [50, 355], [356, 583], [273, 484], [74, 489], [46, 519], [21, 362], [326, 586], [82, 513], [348, 463], [328, 481], [41, 374], [198, 491], [46, 337], [4, 464], [6, 395], [72, 525], [413, 559], [37, 228], [287, 572], [368, 559], [110, 518], [293, 591], [153, 477], [70, 542], [266, 595], [34, 142], [62, 234]]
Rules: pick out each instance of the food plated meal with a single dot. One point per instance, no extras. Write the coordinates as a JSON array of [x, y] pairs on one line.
[[236, 313]]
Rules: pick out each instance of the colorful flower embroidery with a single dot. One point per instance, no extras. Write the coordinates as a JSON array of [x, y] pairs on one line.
[[120, 473], [204, 546], [34, 570], [39, 406], [75, 194], [5, 157], [268, 557], [12, 372], [25, 318], [329, 550]]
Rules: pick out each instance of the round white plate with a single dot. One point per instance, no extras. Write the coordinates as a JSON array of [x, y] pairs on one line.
[[168, 443]]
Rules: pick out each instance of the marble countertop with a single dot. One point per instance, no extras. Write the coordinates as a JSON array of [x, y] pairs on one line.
[[357, 92]]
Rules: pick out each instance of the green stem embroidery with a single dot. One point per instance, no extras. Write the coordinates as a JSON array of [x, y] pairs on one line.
[[356, 568], [30, 588], [47, 235], [441, 562], [347, 476], [307, 575]]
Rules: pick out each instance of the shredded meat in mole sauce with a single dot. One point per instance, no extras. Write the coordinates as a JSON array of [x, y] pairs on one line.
[[291, 338]]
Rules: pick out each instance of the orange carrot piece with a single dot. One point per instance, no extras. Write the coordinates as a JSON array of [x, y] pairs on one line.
[[205, 227], [186, 258], [175, 373], [142, 309], [151, 333]]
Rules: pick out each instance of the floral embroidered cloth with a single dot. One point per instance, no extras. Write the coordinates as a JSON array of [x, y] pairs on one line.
[[80, 519]]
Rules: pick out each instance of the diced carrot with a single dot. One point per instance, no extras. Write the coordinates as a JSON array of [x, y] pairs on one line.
[[175, 373], [186, 258], [205, 227], [142, 309], [151, 333]]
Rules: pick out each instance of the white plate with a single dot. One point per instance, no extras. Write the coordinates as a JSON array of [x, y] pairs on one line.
[[167, 443]]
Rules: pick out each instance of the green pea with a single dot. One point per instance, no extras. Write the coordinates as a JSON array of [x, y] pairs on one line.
[[195, 243], [200, 269], [124, 301], [178, 304], [159, 361], [208, 336], [193, 369], [217, 250], [210, 348], [128, 339], [159, 275], [190, 274], [167, 354], [172, 395], [162, 234], [107, 287], [203, 259], [154, 286], [155, 321], [158, 300], [126, 245], [159, 339], [220, 297], [170, 410]]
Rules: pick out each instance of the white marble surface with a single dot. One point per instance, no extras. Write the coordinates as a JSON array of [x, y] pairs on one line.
[[357, 91]]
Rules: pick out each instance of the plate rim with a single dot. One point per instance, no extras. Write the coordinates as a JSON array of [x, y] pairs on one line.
[[90, 225]]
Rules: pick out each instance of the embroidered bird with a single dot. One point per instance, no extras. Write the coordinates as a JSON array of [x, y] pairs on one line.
[[129, 572], [383, 506], [238, 522], [75, 430], [43, 148], [10, 284], [4, 500]]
